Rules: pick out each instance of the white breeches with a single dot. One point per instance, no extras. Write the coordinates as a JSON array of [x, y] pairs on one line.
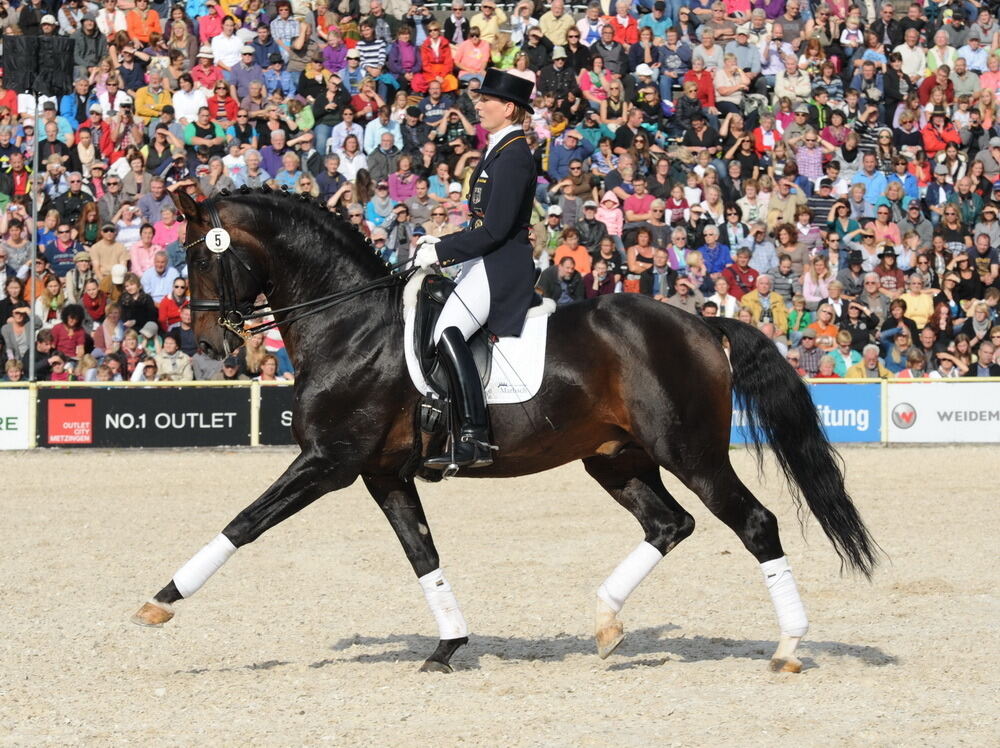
[[468, 307]]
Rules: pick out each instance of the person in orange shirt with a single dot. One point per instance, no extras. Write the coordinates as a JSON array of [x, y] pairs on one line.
[[625, 26], [571, 247], [437, 61], [141, 22], [826, 330]]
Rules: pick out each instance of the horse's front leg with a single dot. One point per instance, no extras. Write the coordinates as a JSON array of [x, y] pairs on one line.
[[399, 501], [308, 478]]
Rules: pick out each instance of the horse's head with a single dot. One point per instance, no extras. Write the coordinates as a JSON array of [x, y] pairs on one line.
[[226, 271]]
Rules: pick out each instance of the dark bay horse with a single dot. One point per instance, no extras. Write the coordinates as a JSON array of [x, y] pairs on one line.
[[631, 386]]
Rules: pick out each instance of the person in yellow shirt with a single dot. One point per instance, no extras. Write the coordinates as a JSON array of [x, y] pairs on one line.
[[919, 300], [762, 299], [489, 20], [556, 23], [151, 98], [869, 367]]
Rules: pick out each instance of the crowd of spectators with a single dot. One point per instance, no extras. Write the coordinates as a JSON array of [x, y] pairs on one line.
[[827, 171]]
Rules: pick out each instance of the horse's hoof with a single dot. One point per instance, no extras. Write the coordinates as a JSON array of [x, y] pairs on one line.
[[433, 666], [153, 614], [608, 639], [786, 665]]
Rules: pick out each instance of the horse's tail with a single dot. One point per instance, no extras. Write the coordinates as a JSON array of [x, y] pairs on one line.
[[779, 410]]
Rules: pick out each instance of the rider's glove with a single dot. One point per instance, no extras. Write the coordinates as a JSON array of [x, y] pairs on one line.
[[426, 253]]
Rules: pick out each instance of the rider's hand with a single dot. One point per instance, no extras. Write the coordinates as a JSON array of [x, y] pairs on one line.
[[426, 253]]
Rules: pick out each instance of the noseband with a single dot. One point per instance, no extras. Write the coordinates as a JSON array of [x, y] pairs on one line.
[[234, 315]]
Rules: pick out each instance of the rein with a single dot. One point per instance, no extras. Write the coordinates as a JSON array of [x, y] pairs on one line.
[[234, 319]]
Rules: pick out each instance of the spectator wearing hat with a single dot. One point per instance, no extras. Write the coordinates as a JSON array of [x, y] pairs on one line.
[[851, 275], [90, 46], [988, 225], [76, 279], [547, 236], [890, 277], [809, 353], [592, 231], [230, 371], [557, 77], [938, 194], [572, 148], [938, 133], [990, 158], [205, 72], [245, 71]]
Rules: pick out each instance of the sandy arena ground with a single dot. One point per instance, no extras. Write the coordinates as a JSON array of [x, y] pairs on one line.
[[314, 634]]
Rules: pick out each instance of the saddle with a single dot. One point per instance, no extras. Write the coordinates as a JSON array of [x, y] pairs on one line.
[[433, 293]]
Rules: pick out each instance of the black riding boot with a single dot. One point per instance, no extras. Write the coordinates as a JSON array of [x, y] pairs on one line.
[[471, 447]]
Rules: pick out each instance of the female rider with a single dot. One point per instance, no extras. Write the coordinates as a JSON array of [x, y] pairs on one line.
[[496, 285]]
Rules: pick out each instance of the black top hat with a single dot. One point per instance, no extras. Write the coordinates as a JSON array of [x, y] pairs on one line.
[[888, 251], [507, 87]]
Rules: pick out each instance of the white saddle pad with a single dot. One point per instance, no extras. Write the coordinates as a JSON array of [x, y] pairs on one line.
[[518, 363]]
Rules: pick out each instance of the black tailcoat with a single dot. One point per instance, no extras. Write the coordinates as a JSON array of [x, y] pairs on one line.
[[502, 191]]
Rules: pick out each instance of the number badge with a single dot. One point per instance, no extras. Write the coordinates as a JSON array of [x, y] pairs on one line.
[[218, 240]]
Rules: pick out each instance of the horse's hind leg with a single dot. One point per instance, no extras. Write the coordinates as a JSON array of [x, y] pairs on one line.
[[633, 480], [732, 502], [308, 478], [399, 501]]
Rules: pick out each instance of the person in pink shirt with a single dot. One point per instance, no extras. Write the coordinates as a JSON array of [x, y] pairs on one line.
[[637, 205], [210, 24], [141, 253], [991, 78], [471, 56], [167, 229], [403, 182], [609, 213], [206, 74]]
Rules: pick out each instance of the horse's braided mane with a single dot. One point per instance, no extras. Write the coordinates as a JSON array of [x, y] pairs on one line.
[[338, 233]]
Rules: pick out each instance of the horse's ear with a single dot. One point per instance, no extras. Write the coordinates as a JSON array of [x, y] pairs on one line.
[[187, 205]]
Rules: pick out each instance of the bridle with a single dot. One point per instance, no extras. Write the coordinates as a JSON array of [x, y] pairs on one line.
[[234, 315]]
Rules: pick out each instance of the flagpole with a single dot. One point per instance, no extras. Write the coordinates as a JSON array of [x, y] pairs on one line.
[[34, 247]]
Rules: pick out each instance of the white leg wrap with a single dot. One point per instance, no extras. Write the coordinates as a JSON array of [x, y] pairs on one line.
[[444, 606], [785, 596], [628, 574], [190, 577]]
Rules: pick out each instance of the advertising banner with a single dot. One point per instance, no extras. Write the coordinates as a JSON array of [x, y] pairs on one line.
[[14, 408], [143, 417], [276, 414], [968, 412], [848, 412]]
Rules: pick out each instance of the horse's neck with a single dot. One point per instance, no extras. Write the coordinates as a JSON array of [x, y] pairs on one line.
[[294, 284]]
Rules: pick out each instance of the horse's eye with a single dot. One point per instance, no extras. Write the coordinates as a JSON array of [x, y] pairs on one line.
[[202, 264]]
